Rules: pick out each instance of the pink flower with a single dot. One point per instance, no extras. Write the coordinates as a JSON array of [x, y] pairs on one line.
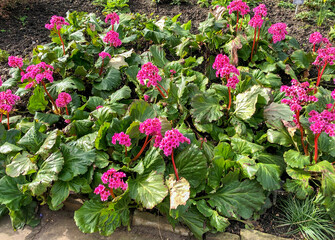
[[220, 61], [104, 54], [113, 17], [7, 101], [226, 70], [171, 140], [172, 72], [325, 56], [104, 194], [56, 22], [67, 120], [151, 127], [261, 10], [36, 73], [278, 31], [15, 61], [146, 98], [239, 6], [322, 122], [333, 94], [315, 38], [123, 139], [112, 38], [149, 72], [99, 107], [256, 21], [0, 82], [63, 99]]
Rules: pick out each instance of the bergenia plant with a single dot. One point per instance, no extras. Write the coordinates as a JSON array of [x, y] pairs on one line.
[[112, 38], [35, 75], [300, 94], [228, 72], [7, 102], [278, 31], [257, 22], [16, 62], [171, 140], [103, 55], [316, 38], [114, 181], [325, 56], [151, 73], [62, 101], [322, 122], [112, 18], [123, 139], [56, 24], [241, 8]]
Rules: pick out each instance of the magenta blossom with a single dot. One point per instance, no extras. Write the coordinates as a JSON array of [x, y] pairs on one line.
[[104, 194], [36, 73], [151, 127], [99, 107], [7, 101], [261, 10], [256, 21], [0, 82], [123, 139], [220, 61], [112, 38], [104, 55], [238, 6], [63, 99], [325, 56], [149, 72], [315, 38], [56, 22], [225, 70], [146, 98], [322, 122], [113, 18], [278, 32], [15, 62], [171, 140]]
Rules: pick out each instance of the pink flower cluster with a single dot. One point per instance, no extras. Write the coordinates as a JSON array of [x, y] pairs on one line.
[[112, 38], [113, 17], [261, 10], [99, 107], [226, 70], [299, 94], [146, 98], [256, 21], [278, 32], [325, 56], [123, 139], [104, 55], [114, 181], [322, 122], [7, 101], [0, 82], [171, 140], [56, 22], [15, 61], [316, 38], [149, 72], [63, 99], [36, 73], [152, 127], [238, 6]]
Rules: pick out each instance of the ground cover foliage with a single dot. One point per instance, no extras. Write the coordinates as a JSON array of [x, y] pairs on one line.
[[243, 142]]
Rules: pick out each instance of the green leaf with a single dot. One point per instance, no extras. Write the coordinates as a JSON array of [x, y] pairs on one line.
[[7, 148], [298, 187], [66, 85], [298, 174], [279, 138], [206, 107], [123, 93], [94, 101], [220, 223], [47, 173], [76, 161], [275, 113], [248, 165], [37, 101], [268, 175], [49, 143], [295, 159], [141, 111], [23, 216], [195, 221], [153, 161], [102, 159], [238, 199], [59, 193], [33, 139], [46, 118], [148, 190], [21, 165], [111, 81], [101, 141], [96, 216], [302, 59], [158, 55], [192, 165], [86, 142], [245, 147], [246, 102]]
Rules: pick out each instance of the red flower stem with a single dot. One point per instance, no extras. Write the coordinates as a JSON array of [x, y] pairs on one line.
[[241, 23], [101, 68], [253, 44], [8, 120], [1, 117], [229, 93], [237, 21], [52, 100], [320, 75], [163, 88], [67, 111], [21, 69], [202, 141], [146, 142], [61, 40], [113, 27], [174, 166], [125, 148], [259, 33], [112, 193], [297, 113], [332, 110], [160, 91], [314, 48], [316, 147]]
